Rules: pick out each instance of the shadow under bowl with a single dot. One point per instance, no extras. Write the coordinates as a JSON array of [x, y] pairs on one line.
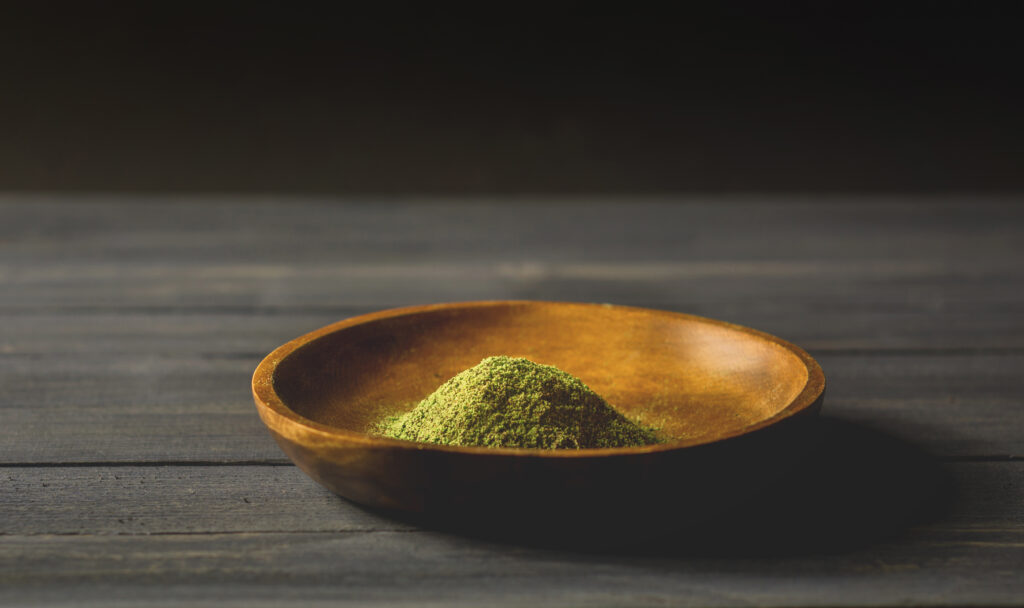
[[728, 401]]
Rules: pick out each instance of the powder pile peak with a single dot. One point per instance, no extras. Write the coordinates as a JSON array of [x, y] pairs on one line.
[[515, 403]]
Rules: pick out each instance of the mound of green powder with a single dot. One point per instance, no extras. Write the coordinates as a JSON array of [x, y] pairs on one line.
[[516, 403]]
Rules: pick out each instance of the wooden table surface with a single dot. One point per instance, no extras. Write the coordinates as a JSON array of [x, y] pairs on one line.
[[136, 472]]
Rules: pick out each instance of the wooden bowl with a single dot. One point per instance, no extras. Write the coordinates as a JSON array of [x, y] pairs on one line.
[[725, 397]]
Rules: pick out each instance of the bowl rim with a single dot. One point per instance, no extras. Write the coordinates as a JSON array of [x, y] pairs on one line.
[[284, 421]]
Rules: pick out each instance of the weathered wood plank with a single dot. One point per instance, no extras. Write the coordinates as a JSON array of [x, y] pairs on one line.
[[201, 530], [116, 538], [868, 287], [172, 332], [283, 230], [401, 568], [130, 408], [173, 499], [179, 408], [259, 330], [142, 500], [898, 275], [955, 405], [130, 331]]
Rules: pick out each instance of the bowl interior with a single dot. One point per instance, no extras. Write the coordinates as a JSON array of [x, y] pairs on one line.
[[691, 377]]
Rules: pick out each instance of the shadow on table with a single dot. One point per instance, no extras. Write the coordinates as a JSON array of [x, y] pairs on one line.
[[856, 486]]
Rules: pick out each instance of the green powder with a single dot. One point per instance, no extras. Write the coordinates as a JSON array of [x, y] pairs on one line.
[[516, 403]]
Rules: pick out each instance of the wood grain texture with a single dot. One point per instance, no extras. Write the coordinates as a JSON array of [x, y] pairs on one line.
[[891, 273], [129, 329], [89, 500], [185, 499], [126, 408], [401, 568], [932, 231], [920, 299], [256, 331]]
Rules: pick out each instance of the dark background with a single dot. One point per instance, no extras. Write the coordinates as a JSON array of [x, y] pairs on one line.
[[563, 98]]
